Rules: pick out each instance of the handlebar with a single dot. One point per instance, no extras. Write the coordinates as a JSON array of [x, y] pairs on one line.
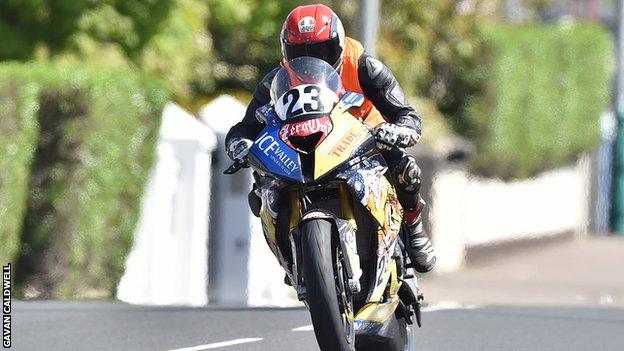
[[238, 165]]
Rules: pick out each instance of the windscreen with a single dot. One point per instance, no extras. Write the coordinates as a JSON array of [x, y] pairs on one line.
[[304, 86]]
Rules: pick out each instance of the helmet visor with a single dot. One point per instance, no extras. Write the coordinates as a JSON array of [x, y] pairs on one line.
[[328, 51]]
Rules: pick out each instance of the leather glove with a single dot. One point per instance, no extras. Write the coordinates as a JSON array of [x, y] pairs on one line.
[[238, 149], [395, 134]]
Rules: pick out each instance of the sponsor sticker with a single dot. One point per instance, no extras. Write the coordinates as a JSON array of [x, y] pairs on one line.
[[305, 99], [307, 24], [280, 156], [305, 128], [351, 99], [344, 143], [315, 214]]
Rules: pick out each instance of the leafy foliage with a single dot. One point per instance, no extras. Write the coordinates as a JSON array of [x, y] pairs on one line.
[[18, 132], [547, 87], [97, 130], [55, 24], [167, 38], [181, 51], [441, 43]]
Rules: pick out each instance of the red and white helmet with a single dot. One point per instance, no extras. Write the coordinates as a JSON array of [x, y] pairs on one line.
[[313, 30]]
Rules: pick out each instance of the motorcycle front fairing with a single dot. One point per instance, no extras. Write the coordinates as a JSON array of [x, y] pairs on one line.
[[344, 140]]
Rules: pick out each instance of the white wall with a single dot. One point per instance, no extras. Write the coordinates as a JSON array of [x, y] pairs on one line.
[[471, 211], [244, 270], [168, 261], [266, 277]]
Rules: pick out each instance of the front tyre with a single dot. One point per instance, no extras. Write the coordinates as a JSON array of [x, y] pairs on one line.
[[328, 298]]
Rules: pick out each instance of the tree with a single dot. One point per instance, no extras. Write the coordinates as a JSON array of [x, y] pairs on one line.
[[165, 38], [433, 47], [54, 25]]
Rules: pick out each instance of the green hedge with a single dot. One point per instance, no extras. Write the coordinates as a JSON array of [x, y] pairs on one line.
[[546, 87], [94, 149], [18, 132]]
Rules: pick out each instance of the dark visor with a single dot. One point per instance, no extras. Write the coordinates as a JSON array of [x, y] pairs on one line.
[[328, 51]]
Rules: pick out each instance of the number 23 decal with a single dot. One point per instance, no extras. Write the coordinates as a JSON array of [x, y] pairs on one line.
[[305, 99]]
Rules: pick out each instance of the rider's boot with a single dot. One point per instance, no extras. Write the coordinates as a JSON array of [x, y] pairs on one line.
[[419, 245]]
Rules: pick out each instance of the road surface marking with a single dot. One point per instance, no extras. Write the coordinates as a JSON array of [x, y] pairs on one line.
[[304, 328], [217, 345], [605, 299], [448, 305]]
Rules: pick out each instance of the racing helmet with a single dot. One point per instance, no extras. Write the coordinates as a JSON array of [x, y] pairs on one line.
[[313, 30]]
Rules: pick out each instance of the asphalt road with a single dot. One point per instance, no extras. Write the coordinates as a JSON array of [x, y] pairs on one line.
[[82, 326]]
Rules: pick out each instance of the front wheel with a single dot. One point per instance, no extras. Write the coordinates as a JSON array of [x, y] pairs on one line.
[[328, 297]]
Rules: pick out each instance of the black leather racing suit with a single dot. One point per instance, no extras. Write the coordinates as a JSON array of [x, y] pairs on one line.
[[381, 88]]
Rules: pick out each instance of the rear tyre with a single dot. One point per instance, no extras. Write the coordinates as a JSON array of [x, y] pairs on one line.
[[323, 273]]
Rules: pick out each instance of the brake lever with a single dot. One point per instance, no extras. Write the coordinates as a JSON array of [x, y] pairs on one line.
[[389, 145], [235, 167], [371, 129]]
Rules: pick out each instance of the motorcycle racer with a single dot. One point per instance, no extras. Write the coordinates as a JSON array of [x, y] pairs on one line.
[[315, 30]]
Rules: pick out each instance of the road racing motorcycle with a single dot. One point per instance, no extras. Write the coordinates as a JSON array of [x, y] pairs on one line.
[[329, 213]]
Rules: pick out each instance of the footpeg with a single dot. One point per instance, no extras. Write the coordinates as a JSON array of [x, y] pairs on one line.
[[302, 293], [417, 311], [354, 286], [287, 280]]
